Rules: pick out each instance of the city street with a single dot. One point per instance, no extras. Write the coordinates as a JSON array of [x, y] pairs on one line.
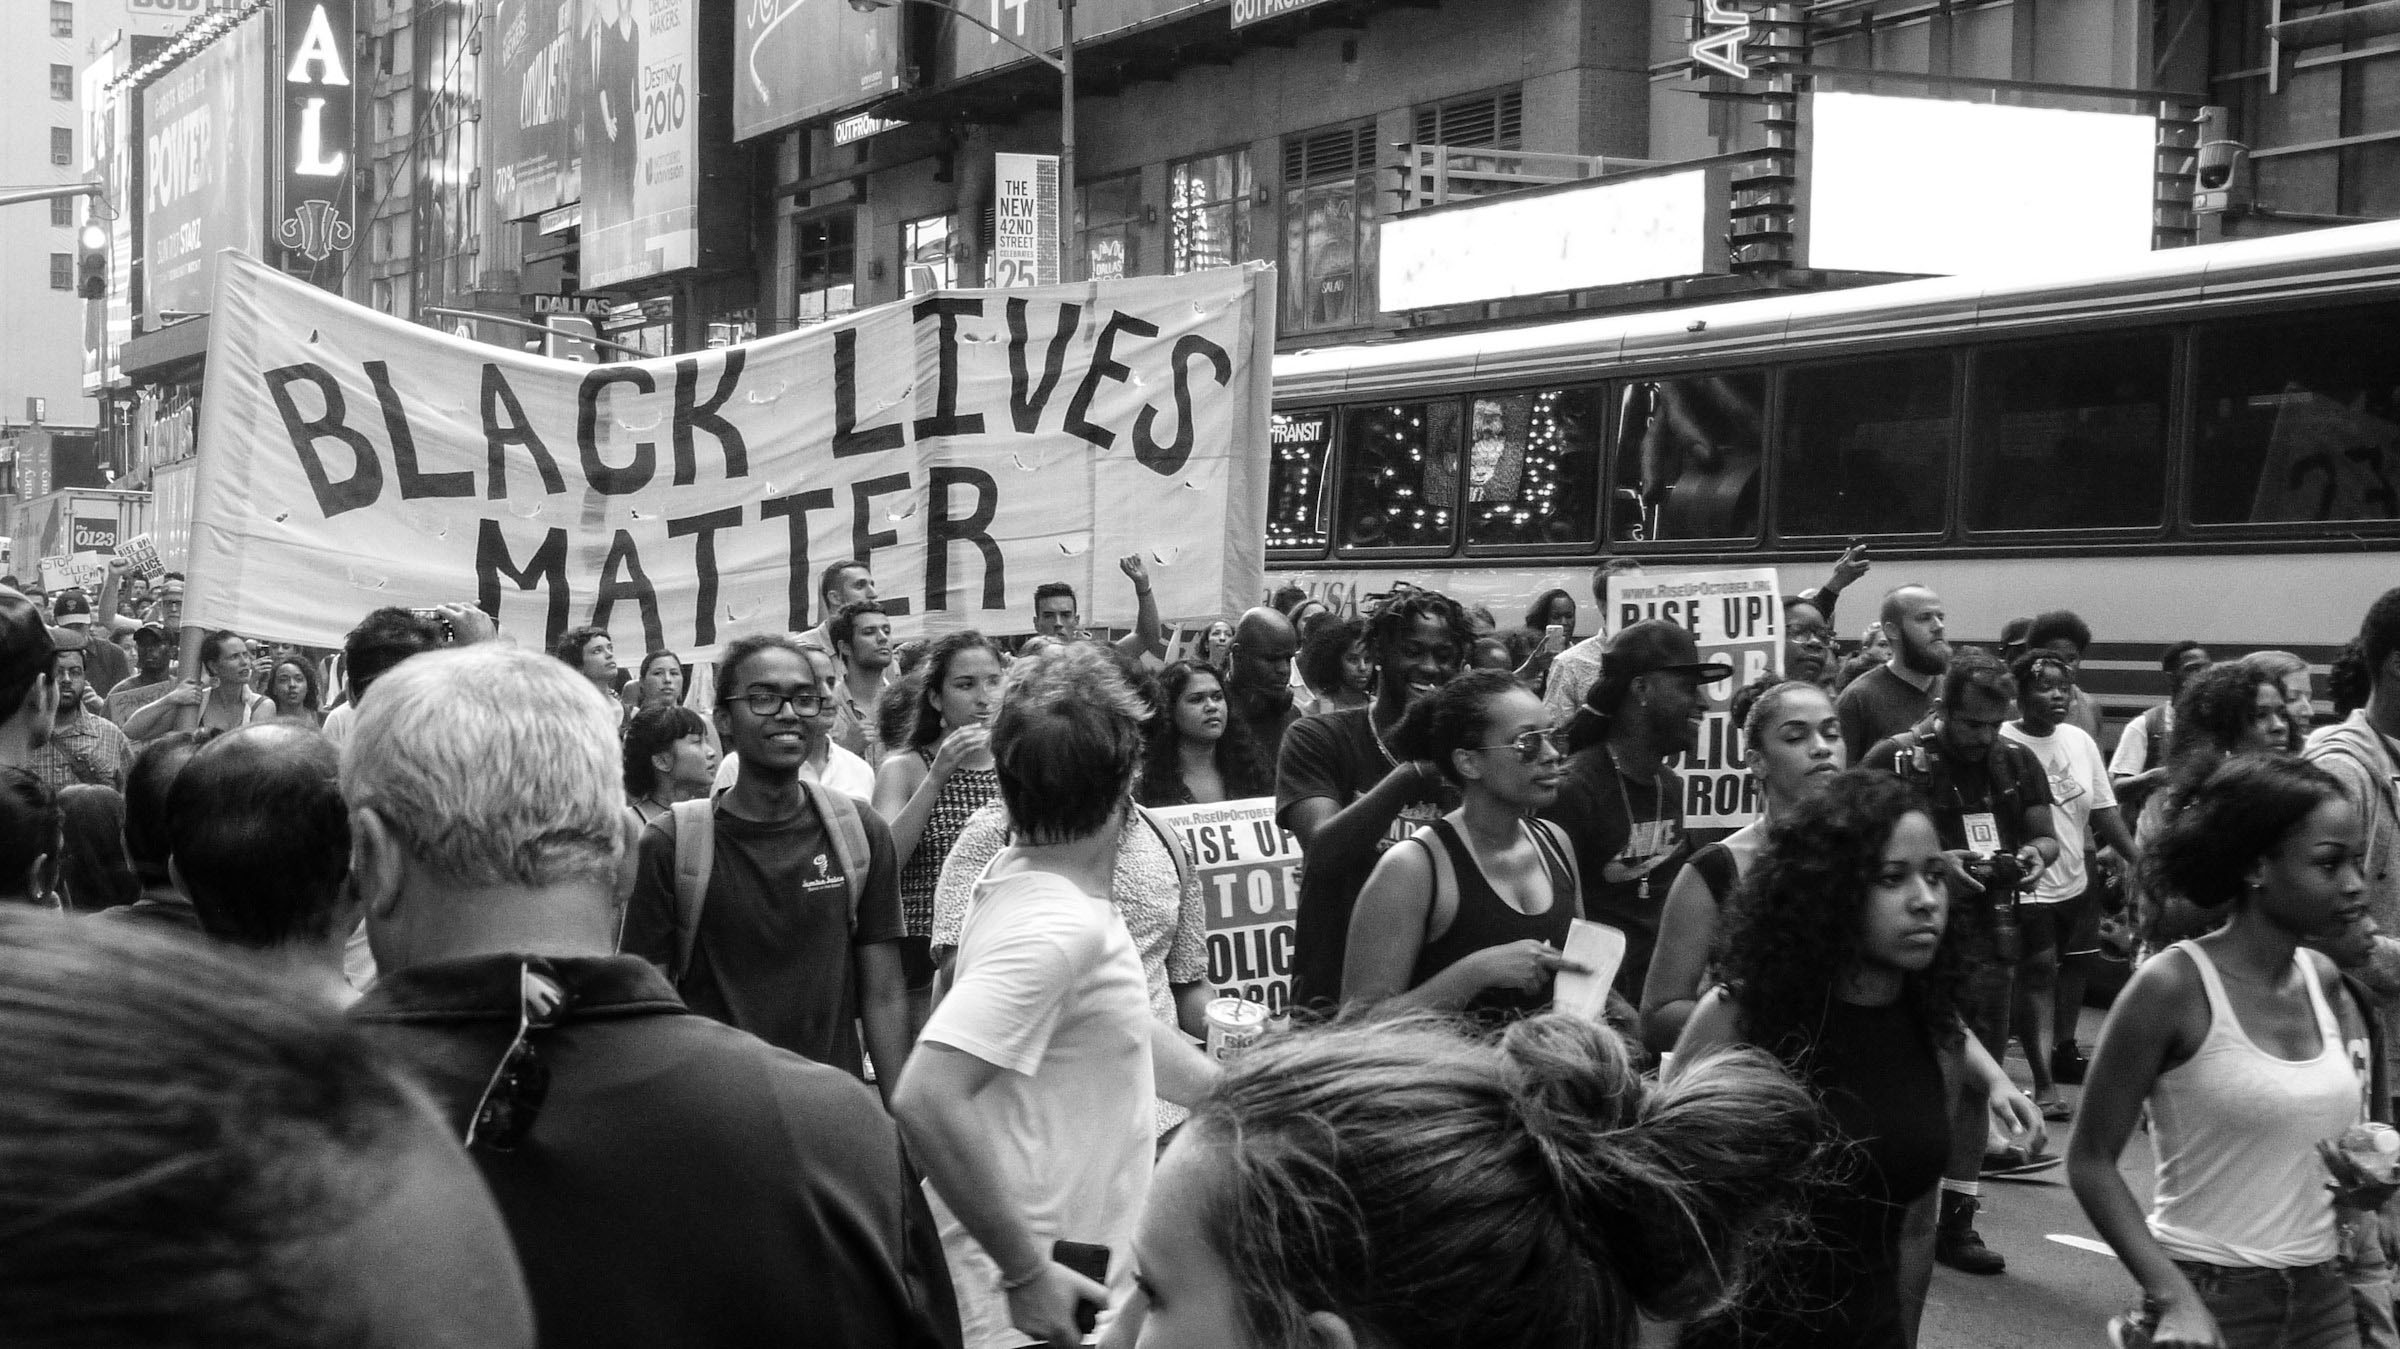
[[2056, 1293]]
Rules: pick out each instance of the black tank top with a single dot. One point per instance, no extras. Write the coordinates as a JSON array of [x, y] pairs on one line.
[[1483, 919]]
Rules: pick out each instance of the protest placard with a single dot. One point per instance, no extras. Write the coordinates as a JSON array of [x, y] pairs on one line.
[[85, 570], [968, 446], [142, 551], [1249, 872], [1736, 617]]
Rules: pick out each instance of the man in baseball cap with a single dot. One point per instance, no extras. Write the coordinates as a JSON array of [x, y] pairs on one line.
[[1621, 806], [105, 664], [153, 653]]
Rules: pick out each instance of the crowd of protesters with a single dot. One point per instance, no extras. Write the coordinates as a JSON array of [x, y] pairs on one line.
[[846, 990]]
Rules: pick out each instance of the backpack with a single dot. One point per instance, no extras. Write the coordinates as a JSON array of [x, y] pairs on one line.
[[694, 824]]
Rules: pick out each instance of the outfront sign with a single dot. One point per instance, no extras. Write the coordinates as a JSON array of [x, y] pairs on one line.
[[316, 207]]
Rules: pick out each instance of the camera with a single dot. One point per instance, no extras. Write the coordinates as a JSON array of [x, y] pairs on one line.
[[1998, 873]]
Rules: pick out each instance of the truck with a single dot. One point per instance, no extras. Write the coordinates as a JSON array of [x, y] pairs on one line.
[[77, 520]]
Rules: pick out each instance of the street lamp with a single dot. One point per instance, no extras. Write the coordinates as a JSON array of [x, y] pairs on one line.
[[1064, 64]]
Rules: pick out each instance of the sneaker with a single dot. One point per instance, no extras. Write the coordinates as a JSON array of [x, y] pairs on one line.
[[1956, 1244], [2067, 1064], [2016, 1161]]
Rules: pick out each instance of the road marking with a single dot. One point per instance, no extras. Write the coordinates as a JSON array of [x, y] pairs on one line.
[[2083, 1244]]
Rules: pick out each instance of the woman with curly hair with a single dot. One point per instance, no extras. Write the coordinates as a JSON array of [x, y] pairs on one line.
[[1838, 961], [2229, 709], [1474, 917], [1399, 1184], [1336, 666], [2233, 1043], [1196, 753]]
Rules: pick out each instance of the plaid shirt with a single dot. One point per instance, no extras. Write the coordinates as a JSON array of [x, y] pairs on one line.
[[84, 749]]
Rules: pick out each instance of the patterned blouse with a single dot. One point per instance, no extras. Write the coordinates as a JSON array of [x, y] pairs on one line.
[[961, 793]]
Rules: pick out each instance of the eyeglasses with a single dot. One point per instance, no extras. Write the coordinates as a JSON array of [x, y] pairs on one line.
[[1807, 636], [767, 702], [1529, 745], [504, 1113]]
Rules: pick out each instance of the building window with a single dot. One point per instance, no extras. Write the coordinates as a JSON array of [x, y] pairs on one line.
[[62, 271], [62, 83], [62, 211], [1105, 214], [1210, 198], [62, 18], [1494, 119], [826, 285], [925, 260], [1329, 229], [62, 145]]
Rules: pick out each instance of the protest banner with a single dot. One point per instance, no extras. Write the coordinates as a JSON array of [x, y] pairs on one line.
[[1736, 616], [1249, 872], [86, 570], [968, 446]]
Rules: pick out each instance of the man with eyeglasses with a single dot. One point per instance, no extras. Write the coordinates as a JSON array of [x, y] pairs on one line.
[[667, 1180], [786, 943]]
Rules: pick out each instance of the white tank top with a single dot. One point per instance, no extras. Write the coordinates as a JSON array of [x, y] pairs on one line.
[[2239, 1179]]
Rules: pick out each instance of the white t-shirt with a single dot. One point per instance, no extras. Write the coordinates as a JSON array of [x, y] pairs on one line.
[[1048, 988], [2133, 747], [2078, 786], [844, 772]]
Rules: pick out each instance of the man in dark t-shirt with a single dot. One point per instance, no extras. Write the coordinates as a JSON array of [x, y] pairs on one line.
[[1897, 694], [1346, 796], [781, 950]]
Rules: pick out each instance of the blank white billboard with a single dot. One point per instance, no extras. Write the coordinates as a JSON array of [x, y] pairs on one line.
[[1935, 186], [1606, 234]]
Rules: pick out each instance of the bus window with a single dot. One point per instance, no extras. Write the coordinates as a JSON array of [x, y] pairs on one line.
[[2298, 419], [1688, 455], [1866, 448], [1297, 489], [2070, 435], [1400, 475], [1533, 466]]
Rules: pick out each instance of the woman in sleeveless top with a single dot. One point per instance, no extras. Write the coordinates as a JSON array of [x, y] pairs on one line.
[[1791, 743], [928, 793], [1474, 915], [1838, 961], [2233, 1043]]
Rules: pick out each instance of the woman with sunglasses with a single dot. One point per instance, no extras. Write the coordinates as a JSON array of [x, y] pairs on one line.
[[1474, 916], [1791, 743]]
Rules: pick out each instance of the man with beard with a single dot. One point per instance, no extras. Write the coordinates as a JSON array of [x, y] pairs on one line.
[[1347, 797], [150, 681], [1621, 806], [1258, 682], [1989, 800], [82, 748], [862, 642], [1897, 694]]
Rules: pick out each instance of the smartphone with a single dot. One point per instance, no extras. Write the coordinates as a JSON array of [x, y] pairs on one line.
[[1554, 632], [1092, 1263]]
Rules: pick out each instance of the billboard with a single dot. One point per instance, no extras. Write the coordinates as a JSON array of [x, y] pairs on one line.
[[641, 140], [204, 174], [1024, 221], [532, 127], [1910, 185], [316, 202], [1607, 232], [968, 51], [796, 60]]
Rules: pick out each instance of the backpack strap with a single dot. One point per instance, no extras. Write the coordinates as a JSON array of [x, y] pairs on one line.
[[838, 812], [2379, 1098], [1174, 846], [694, 825]]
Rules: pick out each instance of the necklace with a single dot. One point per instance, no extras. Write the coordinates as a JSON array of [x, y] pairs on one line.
[[1658, 811], [1377, 732]]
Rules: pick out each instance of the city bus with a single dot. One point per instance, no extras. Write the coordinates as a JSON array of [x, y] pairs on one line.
[[2199, 443]]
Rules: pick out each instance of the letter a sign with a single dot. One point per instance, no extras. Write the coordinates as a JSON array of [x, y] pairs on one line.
[[1723, 34], [316, 204]]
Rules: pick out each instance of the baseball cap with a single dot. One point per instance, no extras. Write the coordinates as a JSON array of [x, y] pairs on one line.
[[1653, 645], [72, 610], [152, 631]]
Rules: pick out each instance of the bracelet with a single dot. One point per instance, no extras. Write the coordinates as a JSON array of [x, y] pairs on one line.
[[1009, 1285]]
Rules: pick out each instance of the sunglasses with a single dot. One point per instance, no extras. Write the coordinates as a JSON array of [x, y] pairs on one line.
[[1529, 745], [504, 1113]]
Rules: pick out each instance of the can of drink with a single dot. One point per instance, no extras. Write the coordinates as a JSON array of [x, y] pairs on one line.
[[1234, 1024]]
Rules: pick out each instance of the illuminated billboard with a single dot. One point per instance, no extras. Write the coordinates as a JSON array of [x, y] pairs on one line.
[[1606, 232], [797, 60], [641, 140], [204, 172]]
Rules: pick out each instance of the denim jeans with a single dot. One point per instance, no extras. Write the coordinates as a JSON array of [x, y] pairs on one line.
[[2258, 1308]]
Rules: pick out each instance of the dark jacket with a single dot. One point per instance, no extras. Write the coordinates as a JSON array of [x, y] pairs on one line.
[[683, 1183]]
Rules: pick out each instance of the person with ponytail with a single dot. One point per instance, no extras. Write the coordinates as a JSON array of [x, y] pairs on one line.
[[1838, 960], [1792, 743], [1403, 1185], [1474, 916], [2233, 1043]]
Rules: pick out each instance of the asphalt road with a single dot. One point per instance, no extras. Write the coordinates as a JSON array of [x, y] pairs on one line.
[[2056, 1292]]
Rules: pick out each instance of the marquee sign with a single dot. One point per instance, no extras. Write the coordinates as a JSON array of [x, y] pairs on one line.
[[317, 208], [1721, 32]]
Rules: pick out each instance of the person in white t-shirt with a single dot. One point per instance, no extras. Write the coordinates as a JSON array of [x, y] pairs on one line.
[[2140, 762], [1029, 1100], [2059, 921]]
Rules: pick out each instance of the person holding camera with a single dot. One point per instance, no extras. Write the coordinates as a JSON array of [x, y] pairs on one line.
[[1989, 800]]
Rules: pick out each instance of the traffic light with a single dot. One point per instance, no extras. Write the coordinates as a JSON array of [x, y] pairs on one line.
[[91, 260]]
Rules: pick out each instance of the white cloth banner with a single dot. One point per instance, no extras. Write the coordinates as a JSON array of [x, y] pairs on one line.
[[968, 445]]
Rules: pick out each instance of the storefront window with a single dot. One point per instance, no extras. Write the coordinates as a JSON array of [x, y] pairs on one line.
[[1105, 214], [1210, 197], [827, 276], [925, 260]]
